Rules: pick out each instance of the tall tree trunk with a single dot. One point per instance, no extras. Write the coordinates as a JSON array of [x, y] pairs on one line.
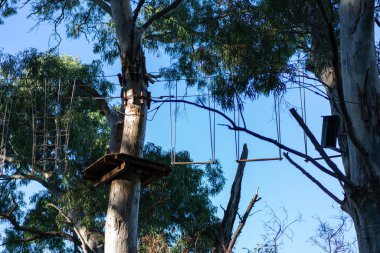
[[127, 135], [124, 199], [361, 85], [359, 109]]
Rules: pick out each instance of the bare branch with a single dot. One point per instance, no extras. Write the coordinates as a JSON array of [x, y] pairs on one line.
[[227, 224], [324, 189], [137, 11], [319, 148], [161, 14], [242, 223], [103, 104], [234, 127], [377, 21], [103, 5]]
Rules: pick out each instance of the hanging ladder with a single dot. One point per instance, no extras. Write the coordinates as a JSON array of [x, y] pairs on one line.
[[173, 132], [50, 138]]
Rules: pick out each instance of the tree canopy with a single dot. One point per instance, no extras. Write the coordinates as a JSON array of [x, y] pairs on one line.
[[46, 221]]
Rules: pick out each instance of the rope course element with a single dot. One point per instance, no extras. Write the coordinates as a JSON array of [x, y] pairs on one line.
[[278, 132], [6, 110], [173, 130], [50, 128], [302, 91]]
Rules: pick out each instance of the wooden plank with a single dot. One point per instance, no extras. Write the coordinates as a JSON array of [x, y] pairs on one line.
[[260, 159], [141, 162], [185, 163], [112, 174]]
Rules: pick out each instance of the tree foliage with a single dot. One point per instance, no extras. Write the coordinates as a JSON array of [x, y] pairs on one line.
[[244, 45], [178, 206]]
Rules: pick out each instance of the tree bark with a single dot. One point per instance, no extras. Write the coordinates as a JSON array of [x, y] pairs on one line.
[[361, 85], [124, 199], [127, 134], [359, 80]]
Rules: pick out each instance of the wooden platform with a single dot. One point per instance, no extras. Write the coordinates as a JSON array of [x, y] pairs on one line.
[[114, 166]]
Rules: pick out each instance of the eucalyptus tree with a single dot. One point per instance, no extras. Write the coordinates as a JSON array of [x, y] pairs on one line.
[[118, 31], [256, 42], [65, 213]]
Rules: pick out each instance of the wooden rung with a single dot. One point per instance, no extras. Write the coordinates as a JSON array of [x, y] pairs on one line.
[[260, 159], [185, 163]]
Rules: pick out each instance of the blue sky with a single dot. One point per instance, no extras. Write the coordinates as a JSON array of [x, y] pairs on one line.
[[280, 185]]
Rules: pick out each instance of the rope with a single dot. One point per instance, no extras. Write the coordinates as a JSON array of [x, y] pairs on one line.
[[278, 121], [210, 126], [172, 158], [302, 94]]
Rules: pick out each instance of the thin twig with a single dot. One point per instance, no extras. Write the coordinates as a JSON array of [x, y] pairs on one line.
[[254, 200]]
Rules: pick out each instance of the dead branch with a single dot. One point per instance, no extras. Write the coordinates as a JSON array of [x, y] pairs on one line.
[[226, 226], [153, 206], [69, 221], [319, 148], [314, 180], [233, 126], [242, 222]]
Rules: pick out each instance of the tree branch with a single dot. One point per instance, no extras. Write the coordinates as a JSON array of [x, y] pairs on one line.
[[103, 104], [103, 5], [161, 14], [152, 207], [53, 189], [242, 223], [226, 226], [38, 233], [377, 21], [68, 220], [137, 11], [324, 189], [234, 127], [319, 148]]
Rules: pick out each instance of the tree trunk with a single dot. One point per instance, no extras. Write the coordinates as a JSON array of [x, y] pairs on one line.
[[124, 199], [360, 78], [359, 138], [127, 135]]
